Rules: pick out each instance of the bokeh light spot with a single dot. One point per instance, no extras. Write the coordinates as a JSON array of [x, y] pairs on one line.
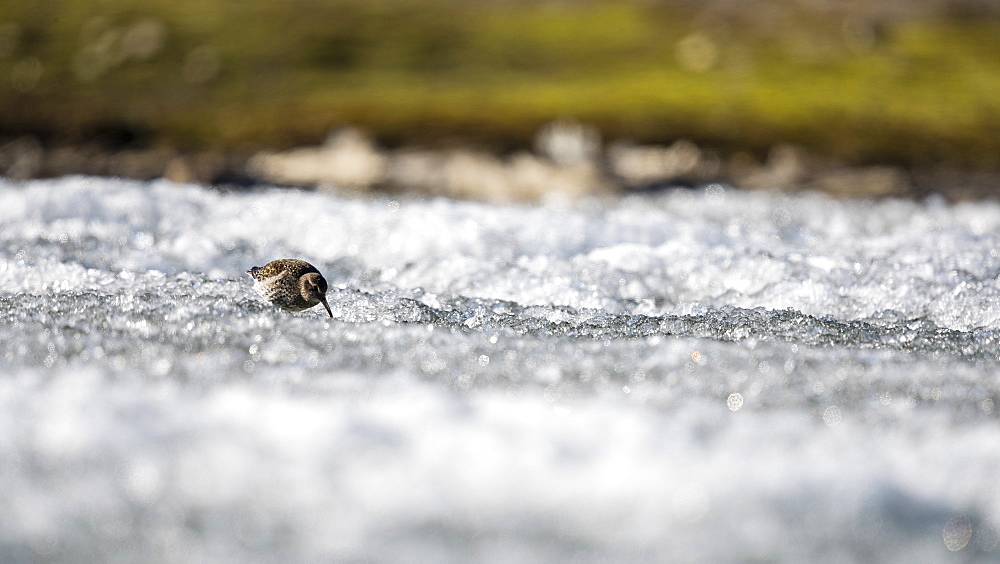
[[831, 416], [202, 64], [957, 533], [734, 402], [696, 52]]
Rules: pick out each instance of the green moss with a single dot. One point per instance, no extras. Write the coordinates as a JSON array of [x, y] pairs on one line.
[[246, 74]]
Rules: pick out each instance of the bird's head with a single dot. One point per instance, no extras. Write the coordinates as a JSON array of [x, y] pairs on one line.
[[313, 287]]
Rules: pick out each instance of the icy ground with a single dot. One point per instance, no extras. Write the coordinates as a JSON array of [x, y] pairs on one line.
[[706, 375]]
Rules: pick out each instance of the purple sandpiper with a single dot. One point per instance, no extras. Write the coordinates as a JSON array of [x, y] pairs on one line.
[[291, 284]]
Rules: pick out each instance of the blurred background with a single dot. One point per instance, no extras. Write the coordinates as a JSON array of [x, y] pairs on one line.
[[850, 97]]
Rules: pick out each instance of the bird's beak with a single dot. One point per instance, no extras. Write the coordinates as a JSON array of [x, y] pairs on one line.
[[322, 299]]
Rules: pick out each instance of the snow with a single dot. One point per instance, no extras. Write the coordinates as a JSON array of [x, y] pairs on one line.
[[705, 374]]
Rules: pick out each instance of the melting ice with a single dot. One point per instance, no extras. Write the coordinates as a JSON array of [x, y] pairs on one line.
[[692, 375]]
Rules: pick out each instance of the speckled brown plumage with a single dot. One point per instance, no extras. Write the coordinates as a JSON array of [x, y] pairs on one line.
[[291, 284]]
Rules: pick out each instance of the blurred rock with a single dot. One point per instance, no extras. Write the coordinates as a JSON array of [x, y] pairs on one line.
[[203, 167], [648, 165], [348, 158], [867, 182], [955, 184], [60, 161], [21, 158], [568, 142], [459, 173], [179, 170], [145, 164], [476, 175], [532, 178], [786, 168], [568, 164], [26, 157], [792, 168]]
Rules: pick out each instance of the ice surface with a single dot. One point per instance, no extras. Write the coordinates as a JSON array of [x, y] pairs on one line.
[[694, 375]]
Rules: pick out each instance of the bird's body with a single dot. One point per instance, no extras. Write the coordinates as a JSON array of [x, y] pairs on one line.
[[291, 284]]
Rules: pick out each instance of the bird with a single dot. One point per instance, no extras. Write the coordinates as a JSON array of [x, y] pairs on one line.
[[291, 284]]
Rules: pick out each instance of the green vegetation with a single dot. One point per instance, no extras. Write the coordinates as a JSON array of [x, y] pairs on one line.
[[245, 74]]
